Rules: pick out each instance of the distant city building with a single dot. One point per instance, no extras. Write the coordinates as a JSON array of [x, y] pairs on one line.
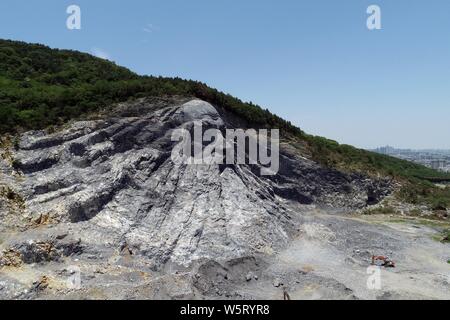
[[385, 150], [435, 159], [438, 164]]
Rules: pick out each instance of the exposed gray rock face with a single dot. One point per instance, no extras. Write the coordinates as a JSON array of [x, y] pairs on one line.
[[112, 184]]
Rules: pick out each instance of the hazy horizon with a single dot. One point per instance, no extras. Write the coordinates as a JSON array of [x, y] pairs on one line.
[[314, 63], [412, 149]]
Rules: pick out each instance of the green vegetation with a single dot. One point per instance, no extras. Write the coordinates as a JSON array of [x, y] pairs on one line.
[[334, 154], [415, 213], [445, 238], [431, 222], [380, 210], [12, 197], [42, 87], [423, 192]]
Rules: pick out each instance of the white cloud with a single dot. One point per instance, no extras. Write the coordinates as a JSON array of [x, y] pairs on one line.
[[150, 28], [100, 53]]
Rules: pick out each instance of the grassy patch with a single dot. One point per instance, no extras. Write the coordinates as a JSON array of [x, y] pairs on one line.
[[415, 213], [380, 210], [422, 192], [442, 228], [445, 236], [432, 223], [12, 197]]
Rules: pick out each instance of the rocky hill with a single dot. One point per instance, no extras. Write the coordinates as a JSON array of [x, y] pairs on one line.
[[92, 204]]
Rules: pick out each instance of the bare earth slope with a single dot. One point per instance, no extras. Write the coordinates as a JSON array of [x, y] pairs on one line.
[[103, 200]]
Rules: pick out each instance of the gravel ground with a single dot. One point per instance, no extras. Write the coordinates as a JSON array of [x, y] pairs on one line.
[[328, 259]]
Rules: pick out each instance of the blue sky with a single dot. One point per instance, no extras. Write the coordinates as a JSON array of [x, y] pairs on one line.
[[313, 62]]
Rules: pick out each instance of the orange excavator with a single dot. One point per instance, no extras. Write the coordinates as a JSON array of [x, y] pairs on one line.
[[383, 261]]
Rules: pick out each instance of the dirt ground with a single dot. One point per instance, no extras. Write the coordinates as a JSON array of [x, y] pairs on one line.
[[328, 259]]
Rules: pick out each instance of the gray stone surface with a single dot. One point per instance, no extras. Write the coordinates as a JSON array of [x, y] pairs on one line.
[[105, 194]]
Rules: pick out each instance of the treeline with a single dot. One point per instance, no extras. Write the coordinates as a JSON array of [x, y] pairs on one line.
[[42, 87]]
